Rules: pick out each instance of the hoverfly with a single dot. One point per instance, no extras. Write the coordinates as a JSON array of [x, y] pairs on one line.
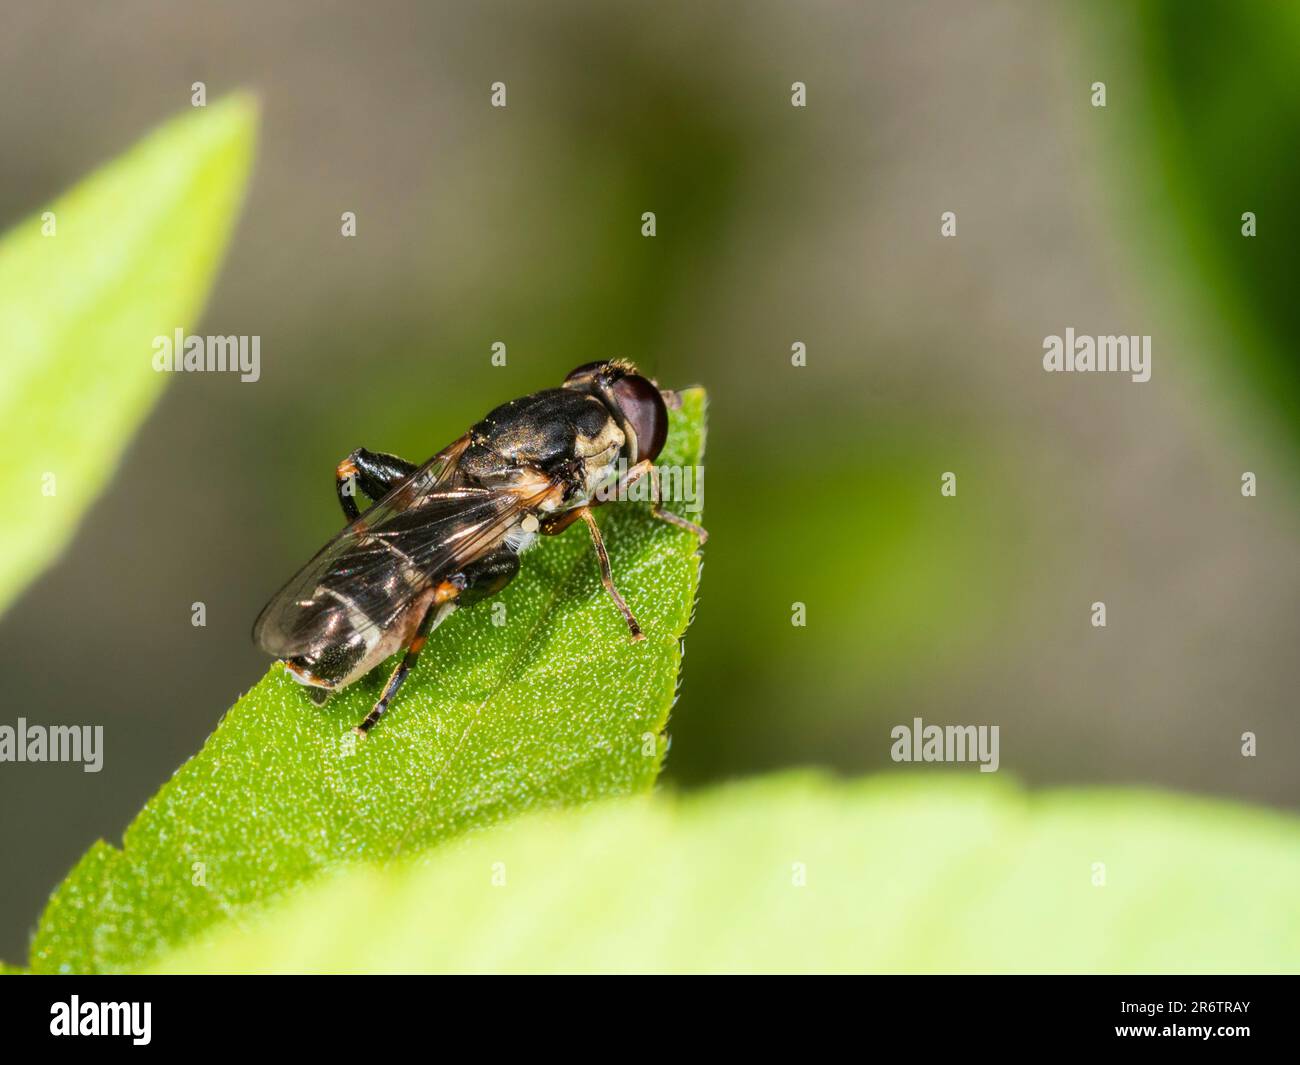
[[450, 533]]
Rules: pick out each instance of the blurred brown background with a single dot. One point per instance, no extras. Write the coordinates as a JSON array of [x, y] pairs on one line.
[[775, 225]]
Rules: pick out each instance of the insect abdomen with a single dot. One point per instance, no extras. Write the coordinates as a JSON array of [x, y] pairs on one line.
[[358, 649]]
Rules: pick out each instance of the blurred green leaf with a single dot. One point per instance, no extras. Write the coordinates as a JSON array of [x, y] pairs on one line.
[[133, 252], [874, 566], [932, 875], [1220, 124], [555, 706]]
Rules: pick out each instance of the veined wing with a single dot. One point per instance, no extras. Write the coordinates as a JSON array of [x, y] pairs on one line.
[[426, 529]]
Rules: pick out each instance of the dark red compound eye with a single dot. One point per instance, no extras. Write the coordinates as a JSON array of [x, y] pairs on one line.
[[645, 413]]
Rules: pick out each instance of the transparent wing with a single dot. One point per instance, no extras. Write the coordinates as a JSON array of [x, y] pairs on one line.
[[426, 529]]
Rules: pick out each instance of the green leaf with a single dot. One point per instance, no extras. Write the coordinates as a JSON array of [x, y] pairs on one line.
[[936, 875], [553, 707], [1186, 168], [133, 252]]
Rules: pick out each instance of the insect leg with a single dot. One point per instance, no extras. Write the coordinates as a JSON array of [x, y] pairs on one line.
[[640, 470], [477, 581], [554, 524], [374, 472], [436, 614], [488, 575], [607, 578]]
